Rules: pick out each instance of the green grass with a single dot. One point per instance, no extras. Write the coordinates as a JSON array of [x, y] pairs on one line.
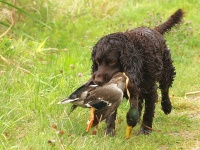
[[35, 73]]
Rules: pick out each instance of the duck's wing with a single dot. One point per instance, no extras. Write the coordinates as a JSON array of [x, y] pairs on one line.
[[79, 93], [103, 96], [85, 87], [97, 103]]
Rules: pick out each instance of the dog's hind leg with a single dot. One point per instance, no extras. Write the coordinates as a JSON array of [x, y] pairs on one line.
[[166, 81]]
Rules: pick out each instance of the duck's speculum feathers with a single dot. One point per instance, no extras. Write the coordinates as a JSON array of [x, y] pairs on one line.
[[98, 104]]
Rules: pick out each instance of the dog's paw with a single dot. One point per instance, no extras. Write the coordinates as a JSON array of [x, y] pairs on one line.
[[110, 132], [144, 131], [166, 106]]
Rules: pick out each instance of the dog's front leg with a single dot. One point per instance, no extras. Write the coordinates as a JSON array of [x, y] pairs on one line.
[[110, 124]]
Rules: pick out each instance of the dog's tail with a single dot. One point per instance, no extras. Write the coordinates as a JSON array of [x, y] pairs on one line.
[[174, 20]]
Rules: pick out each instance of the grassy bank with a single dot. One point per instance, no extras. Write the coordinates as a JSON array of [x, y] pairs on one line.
[[46, 55]]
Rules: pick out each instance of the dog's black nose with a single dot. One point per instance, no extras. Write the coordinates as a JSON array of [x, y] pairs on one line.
[[98, 79]]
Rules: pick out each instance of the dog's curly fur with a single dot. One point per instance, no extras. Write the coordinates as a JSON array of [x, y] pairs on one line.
[[143, 55]]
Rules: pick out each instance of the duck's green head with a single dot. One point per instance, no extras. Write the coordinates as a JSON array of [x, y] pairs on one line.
[[132, 117]]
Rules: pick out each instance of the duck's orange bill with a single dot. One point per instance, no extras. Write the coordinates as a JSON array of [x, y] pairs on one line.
[[90, 123]]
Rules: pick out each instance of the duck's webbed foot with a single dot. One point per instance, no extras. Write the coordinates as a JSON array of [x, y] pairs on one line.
[[90, 123]]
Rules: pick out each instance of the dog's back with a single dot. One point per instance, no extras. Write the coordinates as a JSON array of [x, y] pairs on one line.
[[151, 45]]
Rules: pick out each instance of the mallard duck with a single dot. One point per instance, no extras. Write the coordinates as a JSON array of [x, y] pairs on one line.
[[103, 100]]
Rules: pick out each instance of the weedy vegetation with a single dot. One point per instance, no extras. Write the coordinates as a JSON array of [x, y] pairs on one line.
[[45, 49]]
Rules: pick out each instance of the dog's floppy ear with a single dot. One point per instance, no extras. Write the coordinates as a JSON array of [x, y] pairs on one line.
[[131, 62], [94, 65]]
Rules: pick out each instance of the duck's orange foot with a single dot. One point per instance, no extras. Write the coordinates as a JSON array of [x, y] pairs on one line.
[[90, 122]]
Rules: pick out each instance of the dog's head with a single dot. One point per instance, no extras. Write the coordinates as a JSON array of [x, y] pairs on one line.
[[106, 57], [116, 53]]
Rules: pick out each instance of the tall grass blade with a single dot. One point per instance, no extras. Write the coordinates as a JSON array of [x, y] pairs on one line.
[[16, 30], [26, 13]]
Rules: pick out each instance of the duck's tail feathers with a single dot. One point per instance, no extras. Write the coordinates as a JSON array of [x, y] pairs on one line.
[[65, 101], [173, 20]]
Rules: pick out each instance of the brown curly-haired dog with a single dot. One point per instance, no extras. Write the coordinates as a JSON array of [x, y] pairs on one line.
[[143, 55]]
